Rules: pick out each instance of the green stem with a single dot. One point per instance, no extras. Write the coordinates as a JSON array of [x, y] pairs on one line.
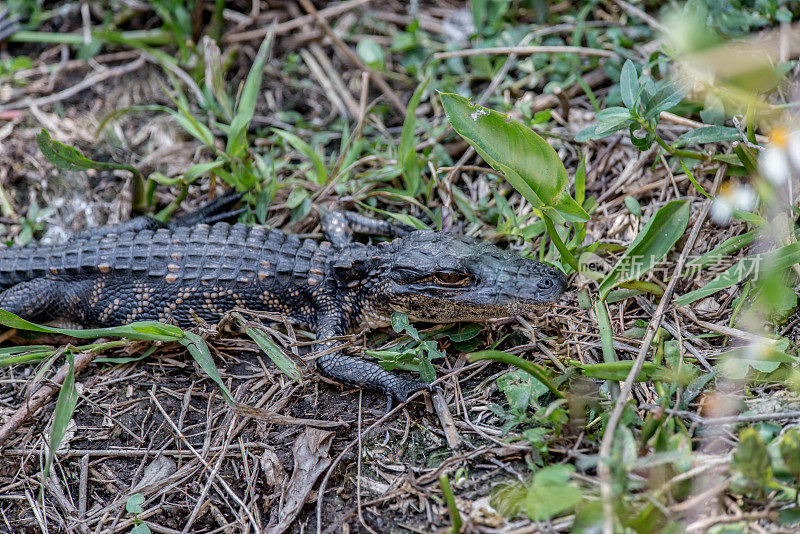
[[648, 287], [167, 212], [447, 493], [606, 340], [151, 37], [566, 255], [681, 153], [510, 359]]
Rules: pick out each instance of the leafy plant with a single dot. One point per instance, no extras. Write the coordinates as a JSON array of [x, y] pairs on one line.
[[134, 506]]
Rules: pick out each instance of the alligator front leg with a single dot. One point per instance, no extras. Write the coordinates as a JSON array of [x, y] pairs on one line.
[[339, 227], [358, 372]]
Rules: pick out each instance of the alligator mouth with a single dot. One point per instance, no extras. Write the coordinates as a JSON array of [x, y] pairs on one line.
[[454, 312]]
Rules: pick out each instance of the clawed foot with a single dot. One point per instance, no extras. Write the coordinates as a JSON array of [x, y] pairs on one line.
[[219, 209], [402, 390]]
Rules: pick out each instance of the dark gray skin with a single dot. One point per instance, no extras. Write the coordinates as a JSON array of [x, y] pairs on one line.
[[144, 270]]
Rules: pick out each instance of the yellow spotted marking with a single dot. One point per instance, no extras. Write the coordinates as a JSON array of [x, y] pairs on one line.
[[174, 267], [170, 278], [104, 268]]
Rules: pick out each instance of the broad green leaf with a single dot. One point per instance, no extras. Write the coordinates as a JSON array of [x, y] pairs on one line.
[[142, 330], [70, 158], [401, 324], [751, 458], [141, 528], [463, 332], [65, 406], [633, 205], [371, 53], [668, 95], [551, 493], [707, 134], [134, 504], [406, 155], [611, 120], [199, 351], [304, 148], [237, 137], [776, 260], [764, 358], [508, 498], [629, 84], [274, 352], [790, 451], [528, 162], [654, 241]]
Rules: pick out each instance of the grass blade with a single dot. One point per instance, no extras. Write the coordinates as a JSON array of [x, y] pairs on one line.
[[65, 407], [199, 351], [275, 354]]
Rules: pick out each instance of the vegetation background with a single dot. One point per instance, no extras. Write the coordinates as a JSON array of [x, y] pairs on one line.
[[651, 150]]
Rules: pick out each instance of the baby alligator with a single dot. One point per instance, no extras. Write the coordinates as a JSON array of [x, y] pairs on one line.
[[202, 267]]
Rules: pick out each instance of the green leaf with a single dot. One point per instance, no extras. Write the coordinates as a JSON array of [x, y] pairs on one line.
[[193, 127], [134, 504], [611, 120], [633, 205], [199, 169], [764, 358], [199, 351], [371, 53], [237, 137], [790, 451], [551, 493], [274, 352], [65, 407], [777, 260], [528, 162], [707, 134], [531, 368], [304, 148], [463, 332], [751, 458], [508, 498], [141, 528], [401, 324], [629, 84], [655, 240], [142, 330], [667, 96], [405, 152], [70, 158]]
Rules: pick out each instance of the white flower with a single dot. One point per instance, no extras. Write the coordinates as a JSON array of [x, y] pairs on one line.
[[774, 165], [733, 196], [781, 156], [721, 211]]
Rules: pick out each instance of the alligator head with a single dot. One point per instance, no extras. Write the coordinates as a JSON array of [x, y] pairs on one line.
[[443, 278]]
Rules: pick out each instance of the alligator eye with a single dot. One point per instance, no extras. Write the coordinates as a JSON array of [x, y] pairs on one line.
[[545, 283], [452, 279]]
